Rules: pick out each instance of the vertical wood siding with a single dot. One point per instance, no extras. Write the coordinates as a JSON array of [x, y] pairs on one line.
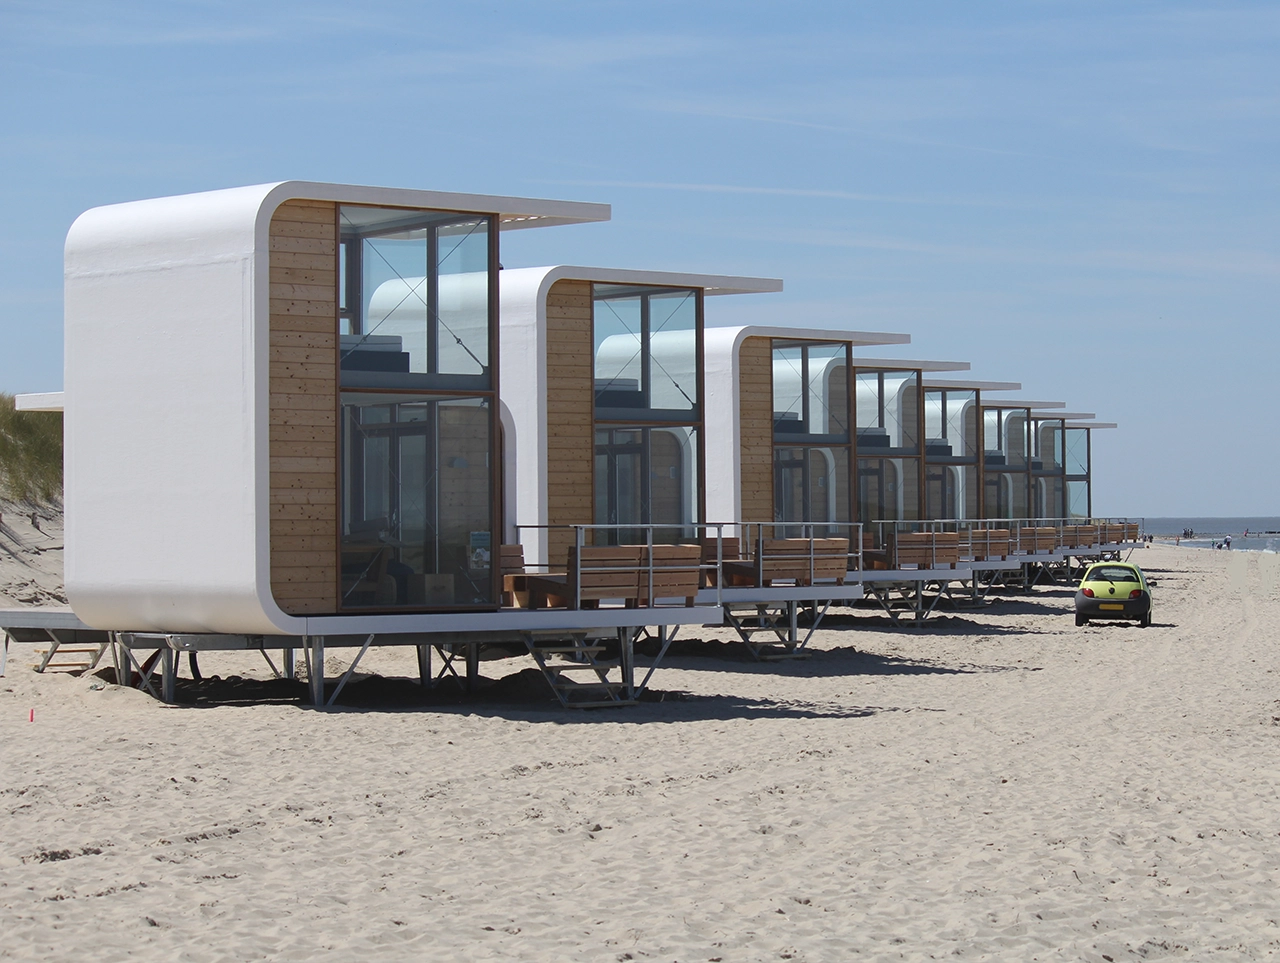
[[755, 423], [303, 407], [570, 438]]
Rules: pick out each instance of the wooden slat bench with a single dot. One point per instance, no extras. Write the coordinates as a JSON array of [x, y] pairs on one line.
[[926, 549], [606, 572], [1079, 536], [730, 551], [985, 544], [515, 583], [802, 560], [620, 572], [1033, 540], [676, 573]]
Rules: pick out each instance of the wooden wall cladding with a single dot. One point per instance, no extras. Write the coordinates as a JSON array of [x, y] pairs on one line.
[[570, 438], [303, 386], [755, 425]]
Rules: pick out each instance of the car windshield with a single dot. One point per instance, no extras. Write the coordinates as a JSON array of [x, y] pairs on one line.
[[1111, 573]]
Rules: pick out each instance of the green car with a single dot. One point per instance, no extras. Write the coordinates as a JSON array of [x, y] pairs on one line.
[[1113, 590]]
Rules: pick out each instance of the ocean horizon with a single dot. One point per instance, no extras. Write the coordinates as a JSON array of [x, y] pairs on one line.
[[1264, 531]]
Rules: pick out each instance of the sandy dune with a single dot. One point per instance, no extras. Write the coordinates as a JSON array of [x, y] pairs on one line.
[[1001, 786]]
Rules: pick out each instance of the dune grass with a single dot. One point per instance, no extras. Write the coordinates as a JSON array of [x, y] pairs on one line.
[[30, 454]]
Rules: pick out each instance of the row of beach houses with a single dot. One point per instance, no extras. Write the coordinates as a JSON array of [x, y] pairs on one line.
[[301, 412]]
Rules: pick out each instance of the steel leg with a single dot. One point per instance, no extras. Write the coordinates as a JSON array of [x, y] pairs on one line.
[[290, 665], [315, 669], [169, 678], [473, 665], [424, 665]]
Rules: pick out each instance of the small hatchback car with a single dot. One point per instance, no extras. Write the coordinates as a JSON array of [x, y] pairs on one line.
[[1113, 590]]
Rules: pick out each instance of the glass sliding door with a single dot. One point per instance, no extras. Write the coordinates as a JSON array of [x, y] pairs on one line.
[[646, 476], [416, 506]]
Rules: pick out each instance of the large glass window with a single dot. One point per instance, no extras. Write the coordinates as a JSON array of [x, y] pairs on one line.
[[648, 345], [417, 517], [887, 408], [414, 299], [646, 352], [811, 436], [1006, 443], [1077, 457], [811, 390], [1049, 497], [888, 489], [951, 491], [811, 485], [1077, 451], [646, 476], [1078, 499]]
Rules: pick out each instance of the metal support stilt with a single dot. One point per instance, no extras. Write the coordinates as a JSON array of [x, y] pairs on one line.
[[169, 677], [424, 665], [315, 667], [473, 666], [290, 665], [627, 659], [793, 629]]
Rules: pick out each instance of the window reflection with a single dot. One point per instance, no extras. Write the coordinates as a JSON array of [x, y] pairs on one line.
[[416, 506], [414, 297]]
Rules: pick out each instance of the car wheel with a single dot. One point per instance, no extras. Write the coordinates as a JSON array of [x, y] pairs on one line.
[[1145, 621], [1081, 620]]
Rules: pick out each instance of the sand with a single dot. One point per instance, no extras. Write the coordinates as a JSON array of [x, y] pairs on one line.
[[997, 786]]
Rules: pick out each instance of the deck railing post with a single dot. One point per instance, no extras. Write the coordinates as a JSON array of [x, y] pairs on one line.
[[649, 599], [578, 534]]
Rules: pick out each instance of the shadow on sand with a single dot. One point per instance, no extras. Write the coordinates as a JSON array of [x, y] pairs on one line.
[[521, 695]]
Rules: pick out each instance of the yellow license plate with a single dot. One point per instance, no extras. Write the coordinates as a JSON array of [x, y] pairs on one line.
[[1112, 606]]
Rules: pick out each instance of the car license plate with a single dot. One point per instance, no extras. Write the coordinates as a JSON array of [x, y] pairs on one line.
[[1112, 606]]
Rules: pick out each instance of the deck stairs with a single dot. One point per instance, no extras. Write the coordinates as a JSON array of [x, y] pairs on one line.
[[768, 630], [69, 657], [579, 673]]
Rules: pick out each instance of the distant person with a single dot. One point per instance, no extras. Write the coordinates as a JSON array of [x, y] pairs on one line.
[[1226, 543]]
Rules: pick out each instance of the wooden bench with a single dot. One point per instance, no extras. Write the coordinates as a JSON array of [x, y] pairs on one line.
[[1033, 540], [515, 583], [985, 544], [873, 557], [926, 549], [1079, 536], [675, 573], [802, 560], [730, 550], [598, 572]]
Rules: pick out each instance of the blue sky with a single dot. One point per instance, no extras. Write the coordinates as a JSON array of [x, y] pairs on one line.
[[1079, 196]]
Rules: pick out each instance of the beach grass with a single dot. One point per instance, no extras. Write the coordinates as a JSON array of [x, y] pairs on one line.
[[30, 454]]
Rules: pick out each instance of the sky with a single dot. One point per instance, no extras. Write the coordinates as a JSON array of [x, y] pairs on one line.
[[1080, 196]]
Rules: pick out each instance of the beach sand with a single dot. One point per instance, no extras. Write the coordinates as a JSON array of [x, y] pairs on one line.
[[998, 785]]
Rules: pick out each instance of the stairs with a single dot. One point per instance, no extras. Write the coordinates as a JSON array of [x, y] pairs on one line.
[[70, 657], [578, 673], [774, 622]]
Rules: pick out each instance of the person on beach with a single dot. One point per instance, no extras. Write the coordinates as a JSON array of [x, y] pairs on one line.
[[1226, 543]]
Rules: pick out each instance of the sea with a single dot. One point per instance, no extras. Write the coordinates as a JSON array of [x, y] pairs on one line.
[[1264, 531]]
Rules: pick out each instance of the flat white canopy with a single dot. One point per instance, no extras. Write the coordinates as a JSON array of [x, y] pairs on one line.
[[908, 364], [1092, 424], [39, 401], [1024, 404], [710, 283], [961, 385], [856, 338], [1064, 415]]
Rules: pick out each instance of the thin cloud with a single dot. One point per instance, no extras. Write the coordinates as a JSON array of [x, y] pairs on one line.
[[783, 192]]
